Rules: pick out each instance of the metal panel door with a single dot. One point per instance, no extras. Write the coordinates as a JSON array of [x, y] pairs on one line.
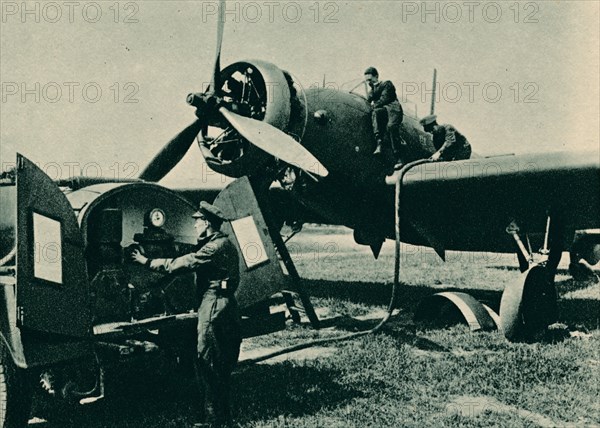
[[261, 274], [52, 286]]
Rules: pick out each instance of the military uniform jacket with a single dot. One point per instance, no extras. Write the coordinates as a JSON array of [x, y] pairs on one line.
[[448, 141], [383, 95], [216, 260]]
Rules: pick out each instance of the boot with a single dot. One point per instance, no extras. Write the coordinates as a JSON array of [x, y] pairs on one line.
[[399, 163], [378, 148]]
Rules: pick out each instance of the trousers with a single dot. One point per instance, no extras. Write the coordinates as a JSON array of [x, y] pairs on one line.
[[219, 339], [459, 153], [388, 119]]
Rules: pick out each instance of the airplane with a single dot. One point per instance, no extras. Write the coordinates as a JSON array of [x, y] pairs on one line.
[[317, 144]]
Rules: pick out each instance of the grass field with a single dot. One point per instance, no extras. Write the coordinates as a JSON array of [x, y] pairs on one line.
[[406, 375]]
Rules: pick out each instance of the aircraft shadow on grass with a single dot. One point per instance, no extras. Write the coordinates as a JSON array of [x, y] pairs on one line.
[[151, 398], [576, 313]]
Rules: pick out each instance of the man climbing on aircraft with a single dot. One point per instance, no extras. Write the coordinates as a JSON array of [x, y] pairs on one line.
[[387, 112], [449, 144]]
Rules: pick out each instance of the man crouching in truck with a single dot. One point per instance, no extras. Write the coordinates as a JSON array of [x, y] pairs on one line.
[[215, 264]]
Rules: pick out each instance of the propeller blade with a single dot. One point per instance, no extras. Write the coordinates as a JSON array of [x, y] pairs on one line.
[[275, 142], [214, 83], [172, 153]]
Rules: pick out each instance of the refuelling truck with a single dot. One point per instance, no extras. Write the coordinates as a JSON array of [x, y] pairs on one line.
[[72, 302]]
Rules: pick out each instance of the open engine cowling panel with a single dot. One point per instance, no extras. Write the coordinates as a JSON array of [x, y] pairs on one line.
[[258, 90]]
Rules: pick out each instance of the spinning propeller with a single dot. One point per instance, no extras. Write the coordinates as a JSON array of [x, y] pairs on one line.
[[212, 108]]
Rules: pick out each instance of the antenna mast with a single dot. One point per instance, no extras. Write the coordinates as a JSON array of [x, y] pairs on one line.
[[433, 92]]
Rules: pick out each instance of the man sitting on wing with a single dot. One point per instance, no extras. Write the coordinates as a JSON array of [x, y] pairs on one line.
[[449, 144]]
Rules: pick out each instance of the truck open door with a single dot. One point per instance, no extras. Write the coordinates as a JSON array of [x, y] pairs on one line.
[[52, 285], [266, 267], [261, 274]]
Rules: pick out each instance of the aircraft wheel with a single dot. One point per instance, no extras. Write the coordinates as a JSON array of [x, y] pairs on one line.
[[539, 307], [15, 394], [529, 306]]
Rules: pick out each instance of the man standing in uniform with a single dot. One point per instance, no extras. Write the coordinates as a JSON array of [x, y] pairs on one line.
[[387, 112], [449, 144], [215, 264]]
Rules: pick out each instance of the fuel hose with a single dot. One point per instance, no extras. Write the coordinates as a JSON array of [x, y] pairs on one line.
[[397, 177]]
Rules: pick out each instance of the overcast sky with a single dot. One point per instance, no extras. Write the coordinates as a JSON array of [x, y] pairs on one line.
[[513, 77]]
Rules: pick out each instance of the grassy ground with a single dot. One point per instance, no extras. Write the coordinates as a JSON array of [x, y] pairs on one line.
[[406, 375]]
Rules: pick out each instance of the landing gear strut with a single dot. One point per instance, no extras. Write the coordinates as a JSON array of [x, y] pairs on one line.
[[529, 305]]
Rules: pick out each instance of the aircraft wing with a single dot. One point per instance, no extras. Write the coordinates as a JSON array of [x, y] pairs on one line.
[[283, 206], [467, 205]]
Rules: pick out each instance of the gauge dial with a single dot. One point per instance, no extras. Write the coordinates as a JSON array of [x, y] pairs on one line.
[[157, 217]]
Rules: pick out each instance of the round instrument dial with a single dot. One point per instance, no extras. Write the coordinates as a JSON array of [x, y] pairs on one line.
[[157, 217]]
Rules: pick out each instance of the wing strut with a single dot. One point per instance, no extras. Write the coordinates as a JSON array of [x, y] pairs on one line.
[[529, 304]]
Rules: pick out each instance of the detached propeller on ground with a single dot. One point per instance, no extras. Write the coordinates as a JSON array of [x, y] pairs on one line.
[[261, 134]]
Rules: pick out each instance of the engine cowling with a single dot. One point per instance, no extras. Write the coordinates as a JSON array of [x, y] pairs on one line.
[[262, 91]]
